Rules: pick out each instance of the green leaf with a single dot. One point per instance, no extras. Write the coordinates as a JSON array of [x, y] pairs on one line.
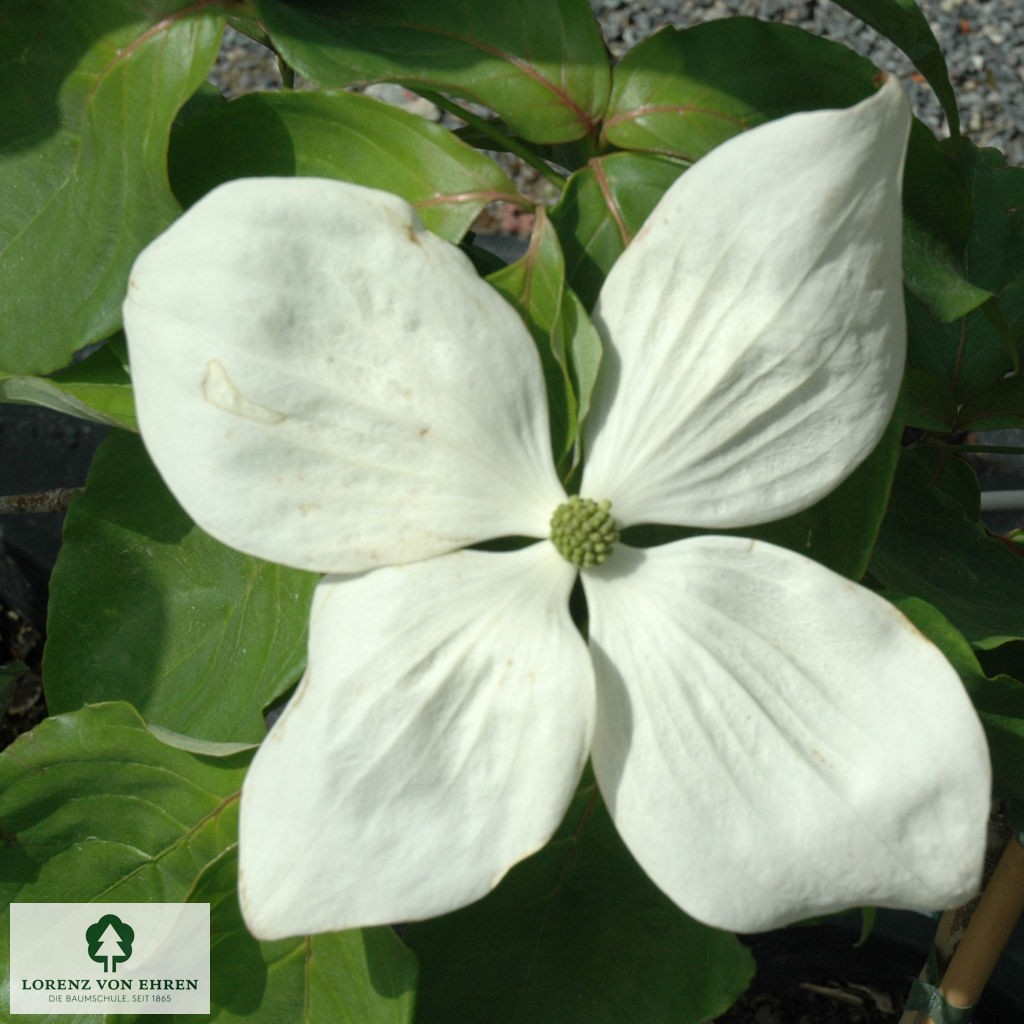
[[682, 92], [95, 807], [604, 205], [577, 934], [995, 249], [964, 361], [146, 607], [931, 275], [936, 226], [97, 389], [903, 23], [65, 789], [339, 135], [90, 90], [356, 977], [930, 401], [954, 477], [999, 700], [928, 548], [569, 346], [540, 64], [997, 407]]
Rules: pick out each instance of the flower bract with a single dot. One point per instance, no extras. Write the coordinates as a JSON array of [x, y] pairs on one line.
[[324, 383]]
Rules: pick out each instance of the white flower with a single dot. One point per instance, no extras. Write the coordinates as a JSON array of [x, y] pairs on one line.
[[325, 384]]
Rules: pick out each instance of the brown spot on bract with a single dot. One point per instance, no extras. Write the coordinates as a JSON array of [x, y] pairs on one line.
[[424, 431], [412, 235]]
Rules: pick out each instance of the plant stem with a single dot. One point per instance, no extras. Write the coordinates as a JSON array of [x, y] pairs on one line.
[[39, 501], [287, 73], [502, 140]]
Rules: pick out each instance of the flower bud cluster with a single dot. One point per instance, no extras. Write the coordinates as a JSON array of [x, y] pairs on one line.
[[583, 531]]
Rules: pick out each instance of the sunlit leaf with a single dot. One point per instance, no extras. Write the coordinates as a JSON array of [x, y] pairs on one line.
[[604, 205], [682, 92], [569, 346], [97, 389], [540, 64], [339, 135], [90, 90]]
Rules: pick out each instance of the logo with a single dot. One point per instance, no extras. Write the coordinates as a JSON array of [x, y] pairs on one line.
[[110, 941], [109, 958]]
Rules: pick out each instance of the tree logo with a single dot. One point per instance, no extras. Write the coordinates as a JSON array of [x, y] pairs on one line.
[[110, 942]]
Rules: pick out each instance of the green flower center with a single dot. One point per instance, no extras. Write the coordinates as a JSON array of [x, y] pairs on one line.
[[584, 531]]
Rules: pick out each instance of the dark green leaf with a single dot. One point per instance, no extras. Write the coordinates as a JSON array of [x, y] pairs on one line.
[[604, 205], [995, 249], [977, 354], [954, 477], [930, 402], [577, 934], [569, 346], [540, 64], [339, 135], [997, 407], [963, 361], [928, 548], [936, 226], [97, 389], [903, 23], [999, 699], [90, 90], [357, 977], [682, 92], [205, 99], [146, 607]]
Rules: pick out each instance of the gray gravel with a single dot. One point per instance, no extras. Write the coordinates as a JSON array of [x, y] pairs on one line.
[[983, 42]]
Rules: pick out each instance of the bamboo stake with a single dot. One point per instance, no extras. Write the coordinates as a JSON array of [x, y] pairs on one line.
[[1001, 906], [971, 938]]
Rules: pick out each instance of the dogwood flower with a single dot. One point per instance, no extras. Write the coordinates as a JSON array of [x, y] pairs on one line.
[[325, 384]]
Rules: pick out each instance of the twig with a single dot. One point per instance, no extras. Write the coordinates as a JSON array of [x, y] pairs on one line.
[[39, 501]]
